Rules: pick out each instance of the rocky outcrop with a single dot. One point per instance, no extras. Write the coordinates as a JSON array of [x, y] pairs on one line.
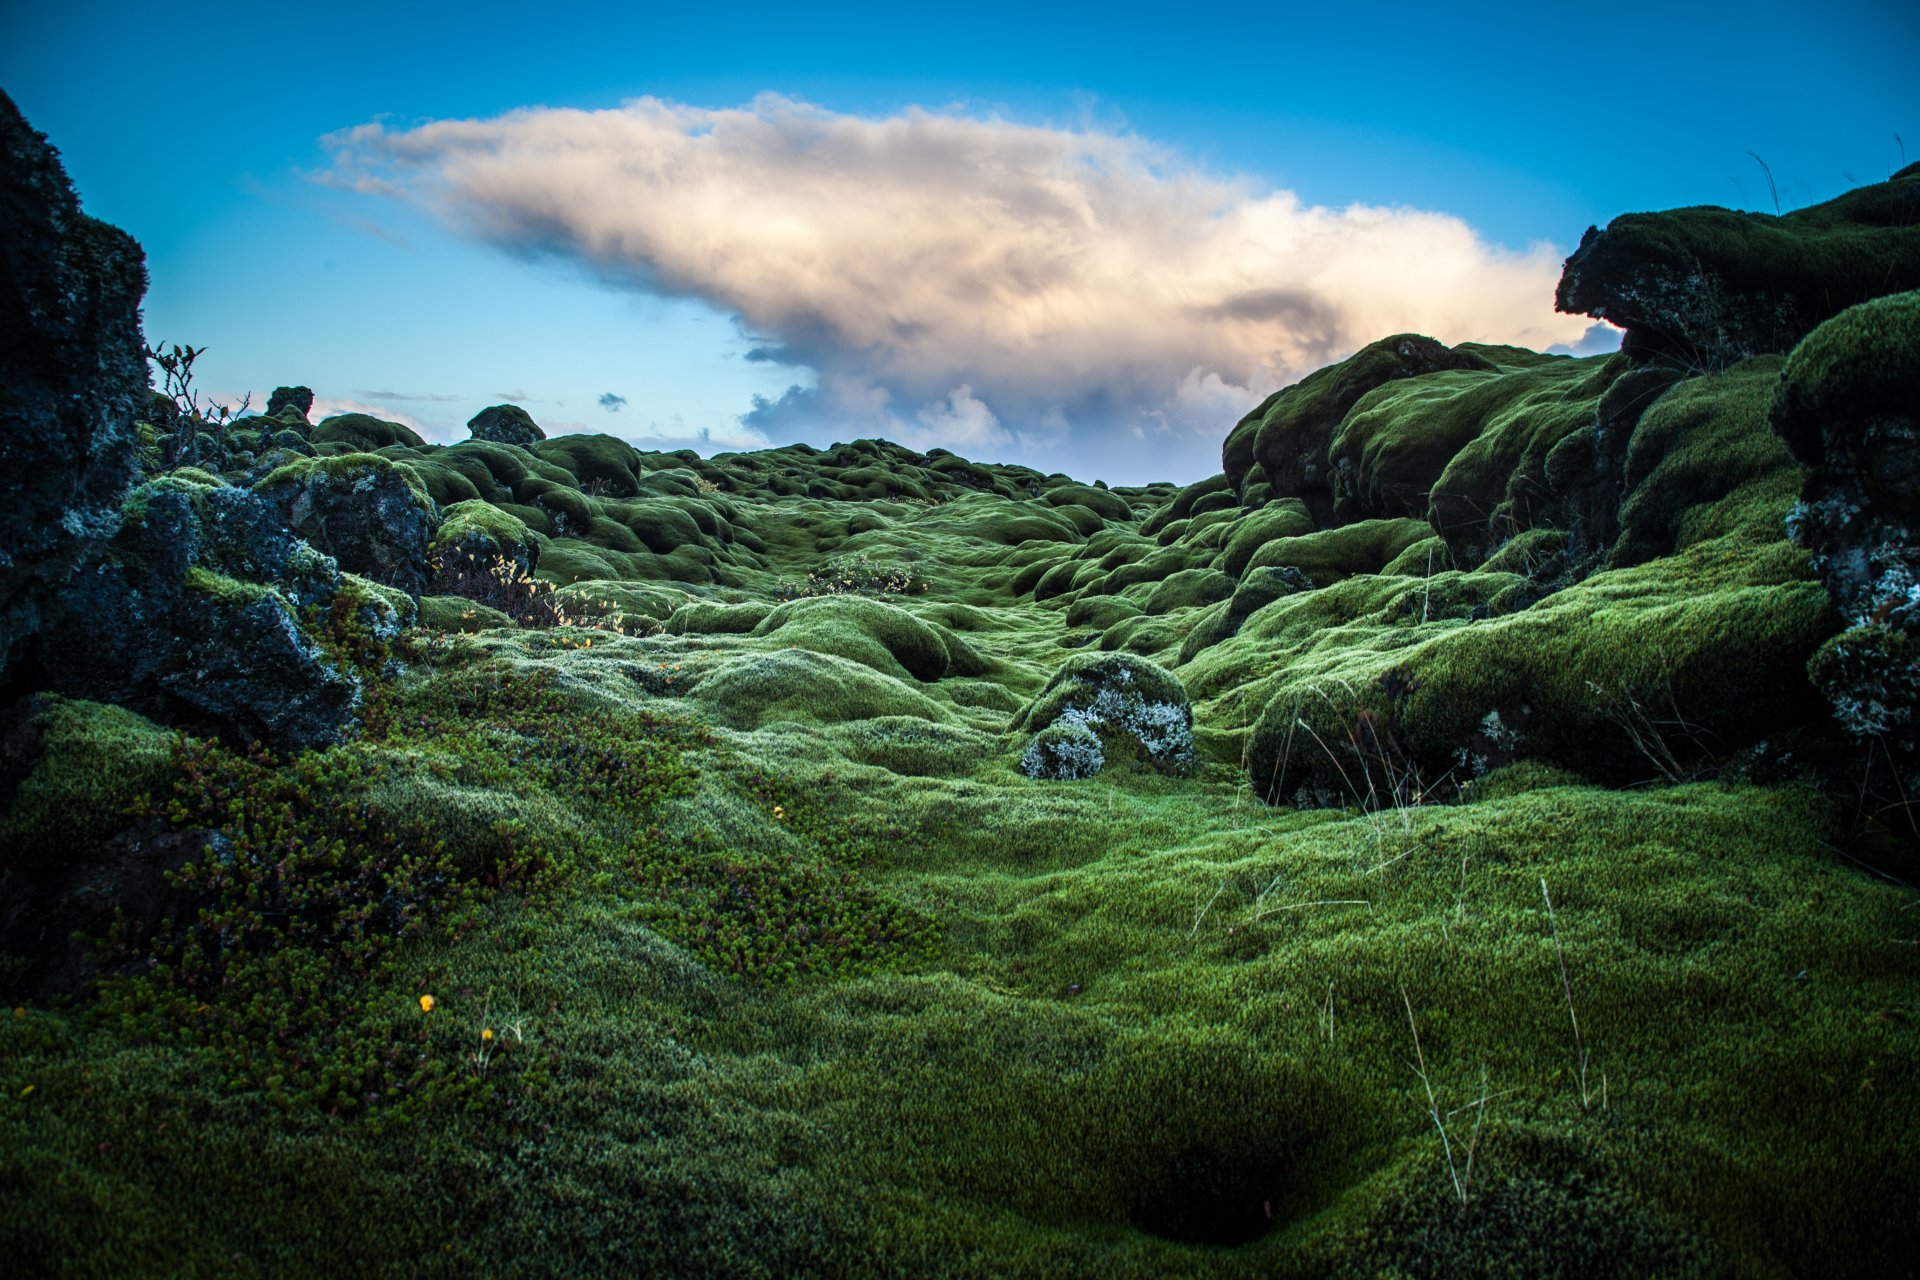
[[370, 514], [73, 377], [505, 424], [1705, 287], [205, 612], [1848, 406]]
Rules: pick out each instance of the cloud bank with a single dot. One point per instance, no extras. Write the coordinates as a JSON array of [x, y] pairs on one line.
[[1002, 289]]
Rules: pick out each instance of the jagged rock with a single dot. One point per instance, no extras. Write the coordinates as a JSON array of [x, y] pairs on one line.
[[371, 515], [195, 616], [297, 399], [1705, 287], [505, 424], [73, 368]]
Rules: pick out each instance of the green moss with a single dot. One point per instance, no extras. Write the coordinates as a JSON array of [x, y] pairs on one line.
[[801, 685], [363, 433], [1703, 464], [1495, 485], [706, 617], [344, 468], [1862, 362], [882, 636], [1188, 588], [92, 765], [1284, 519], [1333, 554], [456, 613]]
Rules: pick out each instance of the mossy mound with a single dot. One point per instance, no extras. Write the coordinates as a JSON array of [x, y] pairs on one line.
[[800, 685], [89, 766], [362, 433], [882, 636]]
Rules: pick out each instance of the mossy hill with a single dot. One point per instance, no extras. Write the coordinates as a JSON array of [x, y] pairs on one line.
[[1422, 849]]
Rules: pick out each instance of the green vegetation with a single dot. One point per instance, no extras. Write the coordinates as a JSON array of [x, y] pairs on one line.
[[1366, 861]]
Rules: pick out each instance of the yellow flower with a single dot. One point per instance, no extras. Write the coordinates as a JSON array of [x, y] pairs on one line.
[[486, 1033], [18, 1012], [426, 1004]]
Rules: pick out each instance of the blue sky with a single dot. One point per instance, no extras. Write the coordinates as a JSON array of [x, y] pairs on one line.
[[1082, 239]]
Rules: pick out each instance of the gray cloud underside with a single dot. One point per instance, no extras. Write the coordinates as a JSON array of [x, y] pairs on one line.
[[1000, 288]]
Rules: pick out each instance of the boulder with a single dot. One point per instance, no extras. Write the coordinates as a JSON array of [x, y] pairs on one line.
[[370, 514], [1702, 288], [72, 362], [205, 613], [298, 400], [505, 424]]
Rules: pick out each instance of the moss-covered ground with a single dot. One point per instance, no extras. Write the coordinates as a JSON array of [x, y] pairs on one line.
[[728, 938]]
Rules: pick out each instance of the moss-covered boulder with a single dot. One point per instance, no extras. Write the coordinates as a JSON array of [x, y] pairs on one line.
[[1124, 699], [1065, 749], [1290, 439], [1706, 287], [505, 424], [363, 433], [882, 636], [370, 514], [293, 402], [477, 536], [74, 378]]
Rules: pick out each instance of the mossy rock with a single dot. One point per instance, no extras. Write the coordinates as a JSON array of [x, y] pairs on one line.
[[1297, 423], [478, 534], [754, 689], [505, 424], [708, 617], [1707, 287], [1189, 588], [1333, 554], [364, 433], [1863, 363], [1284, 519], [1703, 463], [883, 636], [1710, 644], [93, 763]]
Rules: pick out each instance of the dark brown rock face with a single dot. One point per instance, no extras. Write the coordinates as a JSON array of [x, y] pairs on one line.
[[73, 374]]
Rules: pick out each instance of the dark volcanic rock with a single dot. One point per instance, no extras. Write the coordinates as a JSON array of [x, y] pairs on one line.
[[505, 424], [195, 616], [1705, 287], [371, 515], [73, 376], [1289, 440]]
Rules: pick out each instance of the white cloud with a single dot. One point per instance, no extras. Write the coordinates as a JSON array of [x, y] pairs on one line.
[[1005, 278]]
